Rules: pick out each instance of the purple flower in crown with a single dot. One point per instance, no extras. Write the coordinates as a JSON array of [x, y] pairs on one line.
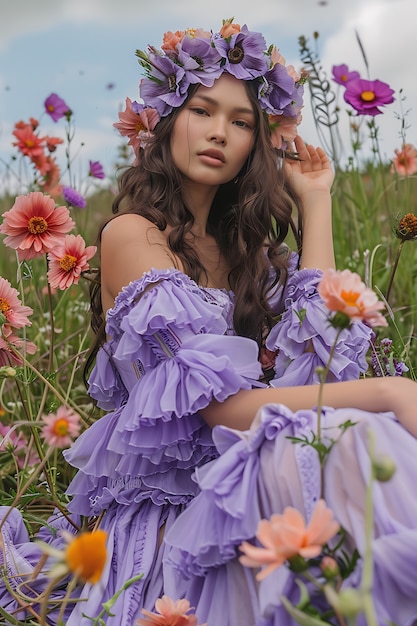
[[277, 90], [201, 62], [243, 53], [165, 86]]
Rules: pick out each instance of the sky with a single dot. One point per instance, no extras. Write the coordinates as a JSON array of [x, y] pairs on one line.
[[84, 50]]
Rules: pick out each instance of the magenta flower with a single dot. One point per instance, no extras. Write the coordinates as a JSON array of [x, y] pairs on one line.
[[96, 170], [74, 198], [365, 96], [342, 75], [56, 107]]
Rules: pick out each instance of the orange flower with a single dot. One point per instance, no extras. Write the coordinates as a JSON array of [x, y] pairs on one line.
[[86, 555], [286, 536], [28, 143], [172, 39], [170, 613], [405, 161], [67, 261], [344, 291], [34, 225], [228, 29]]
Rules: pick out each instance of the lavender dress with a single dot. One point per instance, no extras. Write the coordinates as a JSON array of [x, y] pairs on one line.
[[178, 498]]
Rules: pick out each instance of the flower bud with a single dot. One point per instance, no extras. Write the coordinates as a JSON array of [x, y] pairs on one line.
[[329, 567], [350, 602], [7, 372], [384, 467]]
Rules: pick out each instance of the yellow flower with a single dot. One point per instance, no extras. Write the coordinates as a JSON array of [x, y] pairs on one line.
[[86, 555]]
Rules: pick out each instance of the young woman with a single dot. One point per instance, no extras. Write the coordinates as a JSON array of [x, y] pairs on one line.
[[208, 359]]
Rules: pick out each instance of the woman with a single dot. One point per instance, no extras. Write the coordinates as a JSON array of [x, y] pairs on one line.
[[194, 275]]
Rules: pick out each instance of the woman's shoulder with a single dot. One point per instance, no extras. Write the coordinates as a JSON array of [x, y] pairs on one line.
[[130, 226]]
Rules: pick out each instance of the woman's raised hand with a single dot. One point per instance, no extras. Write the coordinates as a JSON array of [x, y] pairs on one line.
[[312, 172]]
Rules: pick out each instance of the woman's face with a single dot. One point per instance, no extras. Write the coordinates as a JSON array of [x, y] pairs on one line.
[[214, 133]]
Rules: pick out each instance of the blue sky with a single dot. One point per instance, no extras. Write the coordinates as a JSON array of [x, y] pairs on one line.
[[83, 50]]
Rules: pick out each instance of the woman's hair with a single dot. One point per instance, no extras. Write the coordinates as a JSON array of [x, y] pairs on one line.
[[249, 218]]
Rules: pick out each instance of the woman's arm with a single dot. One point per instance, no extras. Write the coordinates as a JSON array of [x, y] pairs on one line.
[[395, 394], [312, 178]]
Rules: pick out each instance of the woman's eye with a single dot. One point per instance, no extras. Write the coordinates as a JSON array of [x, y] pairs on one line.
[[199, 111], [243, 124]]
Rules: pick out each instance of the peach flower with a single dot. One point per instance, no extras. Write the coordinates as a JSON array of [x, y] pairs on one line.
[[283, 130], [136, 125], [345, 292], [228, 29], [61, 427], [172, 39], [67, 261], [405, 161], [169, 613], [286, 536], [34, 225], [15, 313]]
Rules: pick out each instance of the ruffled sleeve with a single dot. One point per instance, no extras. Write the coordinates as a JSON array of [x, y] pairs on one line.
[[173, 355], [303, 338]]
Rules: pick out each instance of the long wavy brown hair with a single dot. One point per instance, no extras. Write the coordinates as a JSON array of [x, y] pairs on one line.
[[250, 218]]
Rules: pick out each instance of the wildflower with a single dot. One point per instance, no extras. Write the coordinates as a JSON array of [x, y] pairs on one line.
[[365, 96], [55, 107], [10, 345], [15, 313], [329, 567], [169, 613], [28, 142], [74, 198], [86, 555], [136, 119], [96, 170], [34, 225], [405, 160], [406, 229], [344, 292], [53, 142], [286, 536], [283, 130], [61, 427], [67, 261], [342, 74], [385, 361]]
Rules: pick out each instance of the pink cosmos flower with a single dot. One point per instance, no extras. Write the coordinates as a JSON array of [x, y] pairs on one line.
[[344, 291], [8, 341], [285, 536], [11, 307], [283, 130], [342, 74], [405, 161], [16, 444], [96, 170], [365, 96], [56, 107], [136, 122], [67, 261], [34, 225], [61, 427], [170, 613]]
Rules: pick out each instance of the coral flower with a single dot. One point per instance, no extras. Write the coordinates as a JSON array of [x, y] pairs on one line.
[[28, 143], [365, 96], [67, 261], [61, 427], [342, 74], [405, 160], [170, 613], [14, 311], [286, 536], [86, 555], [9, 343], [34, 225], [134, 120], [343, 291], [171, 40], [56, 107]]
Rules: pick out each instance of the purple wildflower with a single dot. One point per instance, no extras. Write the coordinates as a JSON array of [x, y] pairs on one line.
[[384, 360], [200, 60], [342, 74], [365, 96], [165, 87], [277, 91], [56, 107], [74, 198], [244, 54], [96, 170]]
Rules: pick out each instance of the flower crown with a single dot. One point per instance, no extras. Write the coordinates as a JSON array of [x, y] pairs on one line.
[[195, 56]]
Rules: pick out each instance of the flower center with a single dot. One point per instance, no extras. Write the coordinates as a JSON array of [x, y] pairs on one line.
[[68, 262], [236, 54], [4, 305], [51, 108], [139, 126], [343, 77], [172, 83], [350, 297], [37, 225], [29, 143], [61, 428], [368, 96]]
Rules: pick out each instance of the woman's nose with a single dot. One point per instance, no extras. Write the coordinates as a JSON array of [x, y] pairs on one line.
[[218, 131]]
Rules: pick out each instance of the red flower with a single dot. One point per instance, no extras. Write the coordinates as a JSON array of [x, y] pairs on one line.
[[67, 261], [34, 225]]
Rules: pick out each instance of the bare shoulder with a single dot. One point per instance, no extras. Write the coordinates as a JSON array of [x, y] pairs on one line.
[[130, 246]]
